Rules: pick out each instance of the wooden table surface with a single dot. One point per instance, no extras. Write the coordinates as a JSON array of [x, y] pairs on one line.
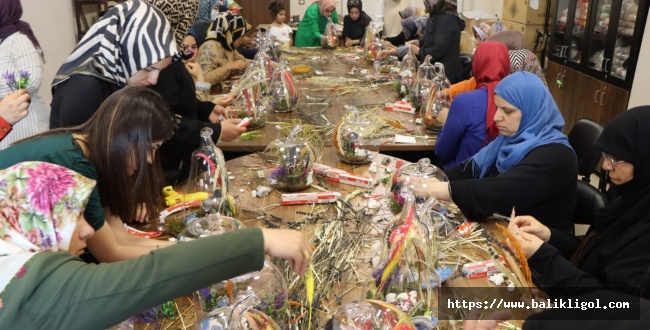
[[329, 101]]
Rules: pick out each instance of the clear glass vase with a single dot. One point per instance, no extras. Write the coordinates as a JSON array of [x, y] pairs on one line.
[[423, 83], [422, 169], [408, 69], [355, 139], [291, 162], [282, 94], [437, 100], [370, 37], [242, 315], [250, 104], [208, 175], [330, 40]]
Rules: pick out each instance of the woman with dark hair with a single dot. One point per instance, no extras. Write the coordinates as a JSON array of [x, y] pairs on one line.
[[44, 286], [310, 30], [278, 30], [613, 255], [530, 165], [355, 23], [218, 55], [116, 147], [128, 46]]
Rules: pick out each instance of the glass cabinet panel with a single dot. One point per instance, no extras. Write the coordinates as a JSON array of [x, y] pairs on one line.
[[561, 25], [598, 40], [579, 33], [624, 38]]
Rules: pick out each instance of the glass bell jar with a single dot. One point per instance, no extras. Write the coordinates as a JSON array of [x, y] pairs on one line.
[[355, 138], [370, 37], [208, 175], [250, 104], [291, 162], [423, 83], [422, 169], [267, 286], [408, 259], [406, 76], [368, 314], [282, 94], [244, 314], [209, 225], [261, 70], [329, 40], [438, 99]]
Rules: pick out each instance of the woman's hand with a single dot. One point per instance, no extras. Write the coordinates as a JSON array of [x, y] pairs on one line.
[[290, 245], [531, 226], [141, 213], [13, 107], [223, 101], [195, 71], [529, 243], [385, 53], [415, 49], [230, 131], [349, 42], [426, 187]]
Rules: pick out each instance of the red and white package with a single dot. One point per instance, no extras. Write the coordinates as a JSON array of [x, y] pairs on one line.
[[320, 169], [333, 174], [356, 180], [310, 198], [480, 269]]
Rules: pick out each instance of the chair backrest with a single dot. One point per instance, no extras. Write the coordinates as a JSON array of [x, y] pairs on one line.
[[589, 200], [582, 137]]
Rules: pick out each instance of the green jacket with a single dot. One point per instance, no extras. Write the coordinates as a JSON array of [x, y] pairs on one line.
[[312, 26], [59, 291]]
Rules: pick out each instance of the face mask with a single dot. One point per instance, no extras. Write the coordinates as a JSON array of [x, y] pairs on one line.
[[214, 14]]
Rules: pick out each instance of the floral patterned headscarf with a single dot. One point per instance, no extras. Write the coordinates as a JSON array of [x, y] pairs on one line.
[[39, 207]]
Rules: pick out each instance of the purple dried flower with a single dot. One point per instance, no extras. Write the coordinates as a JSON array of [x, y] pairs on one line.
[[10, 78], [279, 173], [24, 74]]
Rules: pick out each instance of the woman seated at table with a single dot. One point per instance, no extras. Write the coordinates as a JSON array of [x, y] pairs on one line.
[[218, 56], [311, 28], [530, 166], [43, 285], [470, 124], [117, 147], [355, 23], [614, 252]]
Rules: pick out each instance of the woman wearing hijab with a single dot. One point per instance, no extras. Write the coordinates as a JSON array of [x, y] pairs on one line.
[[355, 23], [128, 46], [179, 84], [411, 11], [43, 285], [310, 30], [530, 166], [470, 125], [20, 53], [192, 42], [614, 253], [218, 56]]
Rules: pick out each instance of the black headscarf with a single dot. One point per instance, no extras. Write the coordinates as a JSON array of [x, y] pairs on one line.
[[627, 217], [356, 29]]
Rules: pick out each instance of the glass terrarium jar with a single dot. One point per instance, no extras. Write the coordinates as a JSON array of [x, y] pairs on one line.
[[369, 314], [244, 314], [249, 104], [423, 83], [355, 140], [373, 50], [266, 285], [437, 100], [329, 40], [261, 70], [291, 161], [371, 36], [282, 94], [408, 69], [208, 174], [209, 225], [408, 260], [422, 169]]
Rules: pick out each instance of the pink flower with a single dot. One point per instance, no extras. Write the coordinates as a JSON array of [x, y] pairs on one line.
[[21, 272], [46, 185]]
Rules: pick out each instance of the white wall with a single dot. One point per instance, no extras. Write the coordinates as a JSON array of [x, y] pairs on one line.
[[639, 95], [53, 24]]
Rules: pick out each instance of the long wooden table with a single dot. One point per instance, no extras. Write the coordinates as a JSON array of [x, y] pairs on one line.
[[329, 101]]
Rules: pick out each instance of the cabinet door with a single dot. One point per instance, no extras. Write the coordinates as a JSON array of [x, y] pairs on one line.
[[561, 28], [590, 93], [612, 101], [564, 85]]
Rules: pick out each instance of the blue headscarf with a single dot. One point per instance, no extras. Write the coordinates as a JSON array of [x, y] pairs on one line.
[[541, 124]]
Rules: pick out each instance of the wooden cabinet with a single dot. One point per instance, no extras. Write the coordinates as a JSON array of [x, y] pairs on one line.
[[525, 11], [593, 55], [564, 84]]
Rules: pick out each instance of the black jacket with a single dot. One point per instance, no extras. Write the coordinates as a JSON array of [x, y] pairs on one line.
[[75, 100], [442, 41]]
